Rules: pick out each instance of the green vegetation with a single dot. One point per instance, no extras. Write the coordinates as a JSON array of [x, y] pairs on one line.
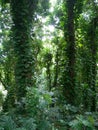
[[48, 65]]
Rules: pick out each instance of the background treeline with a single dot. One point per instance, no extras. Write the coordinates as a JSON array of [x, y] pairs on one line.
[[49, 64]]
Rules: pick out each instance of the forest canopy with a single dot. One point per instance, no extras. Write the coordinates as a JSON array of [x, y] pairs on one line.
[[48, 65]]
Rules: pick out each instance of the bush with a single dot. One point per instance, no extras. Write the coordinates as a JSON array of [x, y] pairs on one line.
[[80, 123], [16, 123]]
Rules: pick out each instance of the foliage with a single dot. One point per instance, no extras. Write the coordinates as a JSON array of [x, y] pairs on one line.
[[8, 123], [80, 123], [48, 64], [1, 98], [37, 106]]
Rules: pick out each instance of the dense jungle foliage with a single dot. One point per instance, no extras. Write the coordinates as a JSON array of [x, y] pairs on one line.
[[48, 64]]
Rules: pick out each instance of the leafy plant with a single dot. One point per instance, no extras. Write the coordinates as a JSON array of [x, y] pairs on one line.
[[80, 123], [7, 123], [17, 123], [1, 98], [29, 124]]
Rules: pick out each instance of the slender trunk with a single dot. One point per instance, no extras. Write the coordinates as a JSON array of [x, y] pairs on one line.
[[56, 69], [48, 71], [93, 50]]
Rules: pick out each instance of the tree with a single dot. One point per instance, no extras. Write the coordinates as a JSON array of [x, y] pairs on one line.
[[69, 76], [93, 51], [22, 15]]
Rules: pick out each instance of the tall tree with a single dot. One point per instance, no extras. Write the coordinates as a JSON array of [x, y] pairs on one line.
[[7, 58], [90, 59], [93, 64], [69, 78], [22, 14]]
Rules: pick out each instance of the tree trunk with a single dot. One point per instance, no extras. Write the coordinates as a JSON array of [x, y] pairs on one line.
[[22, 13], [70, 69], [93, 64]]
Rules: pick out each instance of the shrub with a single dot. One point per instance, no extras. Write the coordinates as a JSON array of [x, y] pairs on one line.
[[80, 123]]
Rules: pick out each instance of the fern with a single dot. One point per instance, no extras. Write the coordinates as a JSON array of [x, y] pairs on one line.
[[7, 123], [29, 124]]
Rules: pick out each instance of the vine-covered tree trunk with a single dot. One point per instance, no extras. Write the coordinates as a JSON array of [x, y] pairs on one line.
[[56, 69], [7, 58], [93, 50], [90, 65], [69, 83], [48, 58], [22, 12]]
